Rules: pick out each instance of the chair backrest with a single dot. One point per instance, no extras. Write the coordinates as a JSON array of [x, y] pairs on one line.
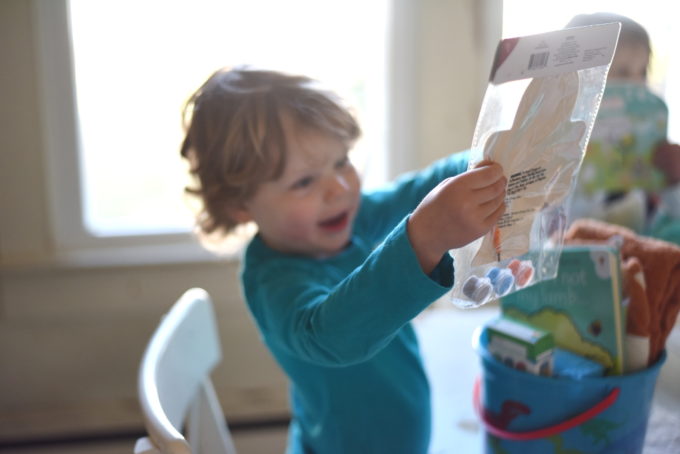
[[174, 387]]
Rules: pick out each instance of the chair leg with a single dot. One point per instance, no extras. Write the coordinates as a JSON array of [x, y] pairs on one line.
[[145, 446], [207, 429]]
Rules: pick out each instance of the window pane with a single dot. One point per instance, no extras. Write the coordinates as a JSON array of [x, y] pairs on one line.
[[137, 61]]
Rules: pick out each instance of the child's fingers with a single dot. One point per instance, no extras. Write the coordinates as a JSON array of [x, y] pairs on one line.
[[480, 177], [491, 191], [490, 206], [495, 212], [484, 163]]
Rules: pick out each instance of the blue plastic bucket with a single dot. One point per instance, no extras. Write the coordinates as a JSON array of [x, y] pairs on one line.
[[526, 414]]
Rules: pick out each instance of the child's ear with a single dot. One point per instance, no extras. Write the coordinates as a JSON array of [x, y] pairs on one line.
[[241, 214]]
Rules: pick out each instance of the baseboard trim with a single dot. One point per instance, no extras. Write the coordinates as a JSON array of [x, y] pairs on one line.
[[235, 427]]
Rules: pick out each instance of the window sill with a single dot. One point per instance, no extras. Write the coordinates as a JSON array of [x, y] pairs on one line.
[[133, 255], [139, 255]]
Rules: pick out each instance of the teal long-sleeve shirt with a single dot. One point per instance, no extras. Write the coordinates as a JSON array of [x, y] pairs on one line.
[[340, 326]]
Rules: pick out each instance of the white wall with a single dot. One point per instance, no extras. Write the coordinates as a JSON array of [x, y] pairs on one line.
[[71, 337]]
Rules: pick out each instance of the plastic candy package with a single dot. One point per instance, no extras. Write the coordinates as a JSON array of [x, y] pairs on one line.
[[535, 121]]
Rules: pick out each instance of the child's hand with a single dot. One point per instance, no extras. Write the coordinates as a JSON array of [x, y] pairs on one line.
[[458, 211], [667, 159]]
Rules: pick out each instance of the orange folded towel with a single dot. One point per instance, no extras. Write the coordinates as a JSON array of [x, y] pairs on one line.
[[660, 262], [639, 320], [638, 347]]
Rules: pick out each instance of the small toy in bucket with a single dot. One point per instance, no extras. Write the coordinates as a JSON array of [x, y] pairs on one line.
[[531, 414]]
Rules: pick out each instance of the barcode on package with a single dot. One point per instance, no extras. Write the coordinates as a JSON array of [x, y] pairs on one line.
[[538, 61], [556, 52]]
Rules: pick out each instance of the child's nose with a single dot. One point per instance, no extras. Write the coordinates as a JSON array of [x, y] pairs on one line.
[[337, 185]]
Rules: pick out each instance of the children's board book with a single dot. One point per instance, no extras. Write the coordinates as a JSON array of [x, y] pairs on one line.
[[581, 307], [630, 123]]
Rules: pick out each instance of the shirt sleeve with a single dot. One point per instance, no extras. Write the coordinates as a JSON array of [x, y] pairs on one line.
[[304, 316], [382, 209]]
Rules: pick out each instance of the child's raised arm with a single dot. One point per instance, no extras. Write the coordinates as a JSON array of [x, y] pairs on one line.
[[456, 212]]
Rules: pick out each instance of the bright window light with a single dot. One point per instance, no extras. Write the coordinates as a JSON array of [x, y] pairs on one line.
[[525, 17], [136, 62]]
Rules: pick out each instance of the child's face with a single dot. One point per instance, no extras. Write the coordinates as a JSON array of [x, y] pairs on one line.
[[310, 209], [630, 63]]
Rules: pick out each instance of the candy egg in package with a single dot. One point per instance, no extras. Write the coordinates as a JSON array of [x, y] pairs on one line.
[[535, 121]]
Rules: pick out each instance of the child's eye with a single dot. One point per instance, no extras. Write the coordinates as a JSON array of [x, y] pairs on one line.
[[302, 183], [342, 162]]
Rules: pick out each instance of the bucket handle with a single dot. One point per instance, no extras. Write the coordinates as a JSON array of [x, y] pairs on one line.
[[546, 431]]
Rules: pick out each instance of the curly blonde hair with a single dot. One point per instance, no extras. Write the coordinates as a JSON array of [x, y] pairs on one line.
[[235, 138]]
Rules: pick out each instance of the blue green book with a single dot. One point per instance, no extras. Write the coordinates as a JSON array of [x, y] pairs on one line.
[[630, 123], [582, 307]]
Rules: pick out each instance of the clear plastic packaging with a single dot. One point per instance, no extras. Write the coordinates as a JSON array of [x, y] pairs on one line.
[[535, 121]]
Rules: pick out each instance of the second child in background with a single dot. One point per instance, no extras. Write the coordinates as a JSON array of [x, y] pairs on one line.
[[645, 206]]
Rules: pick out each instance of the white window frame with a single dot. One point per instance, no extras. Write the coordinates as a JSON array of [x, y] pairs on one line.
[[74, 245]]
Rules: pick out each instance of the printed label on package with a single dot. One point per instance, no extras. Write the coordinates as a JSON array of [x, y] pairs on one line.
[[553, 53]]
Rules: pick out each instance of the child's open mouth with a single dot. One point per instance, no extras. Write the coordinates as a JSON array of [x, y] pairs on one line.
[[336, 223]]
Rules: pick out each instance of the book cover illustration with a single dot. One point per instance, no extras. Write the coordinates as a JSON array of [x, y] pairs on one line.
[[581, 307], [630, 123]]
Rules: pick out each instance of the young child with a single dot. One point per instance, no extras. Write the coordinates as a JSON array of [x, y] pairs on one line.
[[659, 213], [334, 275]]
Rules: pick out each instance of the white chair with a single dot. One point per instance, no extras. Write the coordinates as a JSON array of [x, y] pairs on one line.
[[175, 390]]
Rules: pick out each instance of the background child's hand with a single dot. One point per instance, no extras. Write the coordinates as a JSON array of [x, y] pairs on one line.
[[458, 211], [667, 159]]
